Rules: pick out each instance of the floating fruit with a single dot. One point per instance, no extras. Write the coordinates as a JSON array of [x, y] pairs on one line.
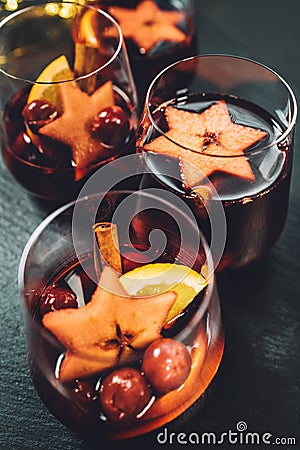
[[109, 330], [87, 32], [153, 279], [166, 364], [207, 142], [112, 126], [124, 393], [58, 298], [73, 127], [147, 24], [46, 85], [38, 113]]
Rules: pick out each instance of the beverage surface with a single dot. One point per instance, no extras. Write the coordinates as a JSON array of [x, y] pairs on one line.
[[242, 174], [153, 28], [123, 384], [54, 153], [156, 35], [52, 158]]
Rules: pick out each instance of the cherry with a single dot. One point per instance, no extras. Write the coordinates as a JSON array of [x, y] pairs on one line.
[[38, 113], [111, 126], [124, 393], [58, 298], [166, 364]]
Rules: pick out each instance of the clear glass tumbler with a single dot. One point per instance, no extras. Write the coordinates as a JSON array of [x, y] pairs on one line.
[[68, 100], [157, 33], [224, 126], [123, 318]]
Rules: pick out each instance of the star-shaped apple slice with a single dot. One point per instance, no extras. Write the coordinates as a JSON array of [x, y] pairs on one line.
[[147, 24], [112, 328], [74, 126], [218, 144]]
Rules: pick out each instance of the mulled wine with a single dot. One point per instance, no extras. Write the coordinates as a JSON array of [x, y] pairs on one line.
[[46, 168], [68, 100], [225, 149], [255, 208], [156, 34], [111, 356]]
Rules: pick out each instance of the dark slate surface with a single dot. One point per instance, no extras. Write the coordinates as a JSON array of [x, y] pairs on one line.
[[258, 381]]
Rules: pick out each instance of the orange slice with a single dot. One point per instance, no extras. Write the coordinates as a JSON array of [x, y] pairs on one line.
[[87, 29], [45, 88], [157, 278]]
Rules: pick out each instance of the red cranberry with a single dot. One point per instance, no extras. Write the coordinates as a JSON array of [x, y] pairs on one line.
[[124, 393], [112, 126], [38, 113], [166, 364], [58, 298]]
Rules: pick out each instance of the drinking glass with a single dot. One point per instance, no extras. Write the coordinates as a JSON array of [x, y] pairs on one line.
[[68, 101], [157, 33], [65, 261], [224, 122]]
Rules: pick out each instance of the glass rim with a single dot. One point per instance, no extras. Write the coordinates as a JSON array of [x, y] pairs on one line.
[[15, 14], [210, 287], [280, 139]]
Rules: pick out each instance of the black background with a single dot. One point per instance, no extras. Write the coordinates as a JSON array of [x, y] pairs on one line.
[[259, 378]]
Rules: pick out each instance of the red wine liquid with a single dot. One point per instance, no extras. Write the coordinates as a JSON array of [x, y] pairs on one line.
[[76, 403], [255, 210], [146, 65], [47, 171]]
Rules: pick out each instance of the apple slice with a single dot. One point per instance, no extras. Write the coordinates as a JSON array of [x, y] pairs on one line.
[[112, 328], [206, 143], [74, 126], [147, 24]]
